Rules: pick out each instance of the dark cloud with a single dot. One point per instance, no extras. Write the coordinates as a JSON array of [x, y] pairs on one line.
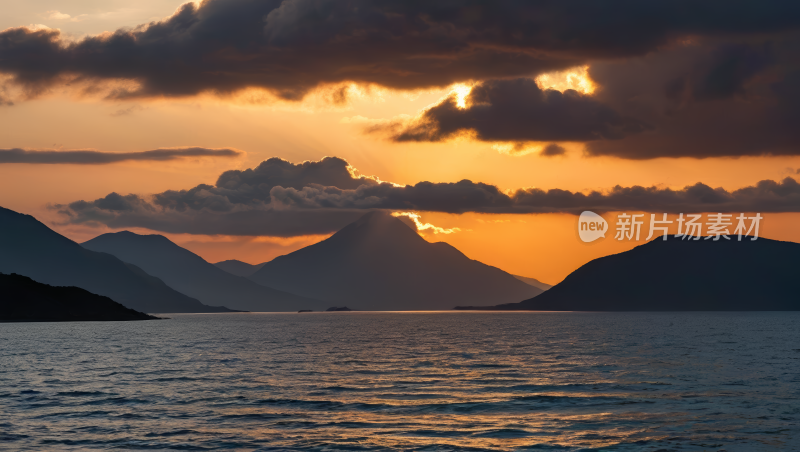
[[722, 74], [253, 187], [676, 78], [553, 150], [293, 45], [468, 196], [279, 198], [90, 157], [517, 110], [240, 203], [129, 211], [715, 99]]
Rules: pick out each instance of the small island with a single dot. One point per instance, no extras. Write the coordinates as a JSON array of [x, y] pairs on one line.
[[335, 309], [25, 300]]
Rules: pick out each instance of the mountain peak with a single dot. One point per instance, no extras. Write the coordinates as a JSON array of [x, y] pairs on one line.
[[375, 219], [378, 262], [378, 225], [128, 235]]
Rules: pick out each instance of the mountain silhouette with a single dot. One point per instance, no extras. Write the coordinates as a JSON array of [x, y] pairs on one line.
[[29, 248], [533, 282], [380, 263], [25, 300], [238, 268], [190, 274], [680, 275]]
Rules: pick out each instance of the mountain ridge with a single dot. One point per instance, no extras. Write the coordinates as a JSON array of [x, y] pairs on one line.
[[192, 275], [30, 248], [676, 275], [238, 268], [533, 282]]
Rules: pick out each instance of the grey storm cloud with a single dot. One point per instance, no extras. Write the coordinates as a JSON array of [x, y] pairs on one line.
[[92, 157], [517, 110], [279, 198], [291, 46]]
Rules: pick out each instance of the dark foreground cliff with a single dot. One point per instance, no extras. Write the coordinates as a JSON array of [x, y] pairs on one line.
[[25, 300]]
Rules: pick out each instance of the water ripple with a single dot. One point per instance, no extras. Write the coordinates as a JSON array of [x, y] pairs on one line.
[[412, 381]]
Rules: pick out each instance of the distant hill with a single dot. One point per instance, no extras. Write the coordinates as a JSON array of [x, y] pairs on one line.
[[238, 268], [29, 248], [380, 263], [25, 300], [680, 275], [190, 274], [533, 282]]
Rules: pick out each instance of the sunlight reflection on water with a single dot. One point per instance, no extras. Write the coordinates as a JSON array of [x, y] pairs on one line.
[[436, 381]]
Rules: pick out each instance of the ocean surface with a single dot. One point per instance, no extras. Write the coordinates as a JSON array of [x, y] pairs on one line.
[[409, 381]]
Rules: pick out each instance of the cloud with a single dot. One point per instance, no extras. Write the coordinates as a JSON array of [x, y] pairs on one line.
[[57, 15], [516, 110], [714, 99], [128, 211], [254, 187], [468, 196], [92, 157], [553, 150], [126, 111], [661, 78], [292, 46], [722, 74], [279, 198], [416, 222]]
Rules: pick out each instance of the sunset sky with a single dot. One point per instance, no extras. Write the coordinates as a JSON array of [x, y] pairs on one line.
[[498, 122]]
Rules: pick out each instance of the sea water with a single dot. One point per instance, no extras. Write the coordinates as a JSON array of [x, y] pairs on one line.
[[410, 381]]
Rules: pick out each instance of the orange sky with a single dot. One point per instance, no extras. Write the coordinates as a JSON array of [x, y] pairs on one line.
[[542, 246]]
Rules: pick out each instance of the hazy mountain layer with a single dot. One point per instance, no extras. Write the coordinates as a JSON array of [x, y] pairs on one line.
[[533, 282], [190, 274], [29, 248], [238, 268]]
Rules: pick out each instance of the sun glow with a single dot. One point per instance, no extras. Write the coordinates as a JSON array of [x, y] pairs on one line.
[[415, 217], [461, 91], [576, 78]]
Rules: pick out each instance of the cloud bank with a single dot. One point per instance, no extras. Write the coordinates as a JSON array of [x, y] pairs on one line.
[[673, 78], [293, 45], [714, 98], [92, 157], [517, 110], [279, 198]]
